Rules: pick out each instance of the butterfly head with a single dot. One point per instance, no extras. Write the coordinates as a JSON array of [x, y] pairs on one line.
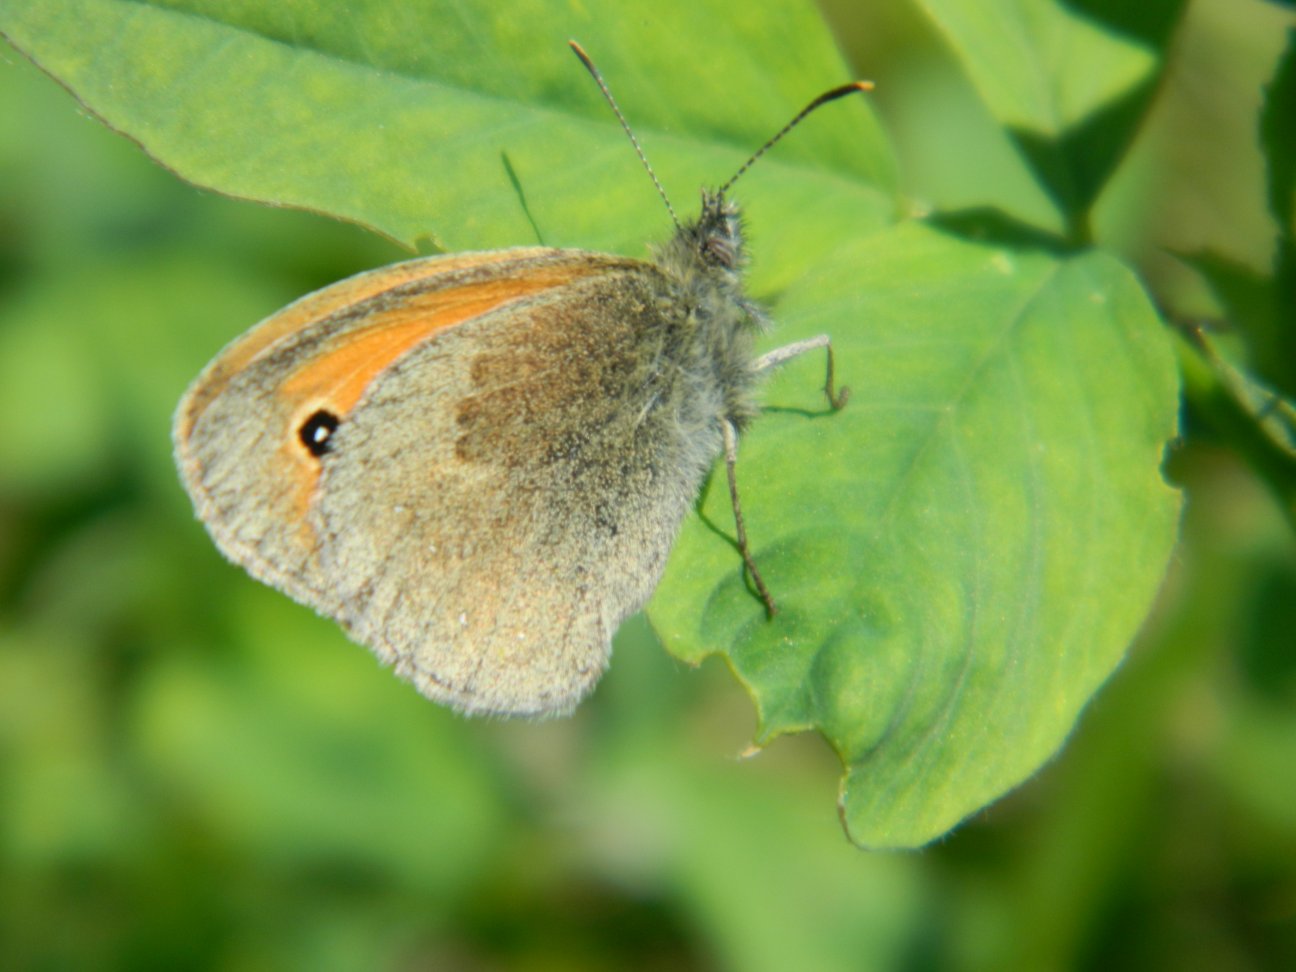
[[717, 235], [709, 248]]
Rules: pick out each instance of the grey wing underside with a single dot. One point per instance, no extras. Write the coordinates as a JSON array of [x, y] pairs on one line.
[[506, 493]]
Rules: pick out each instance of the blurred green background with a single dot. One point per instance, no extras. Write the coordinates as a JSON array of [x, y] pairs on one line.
[[195, 772]]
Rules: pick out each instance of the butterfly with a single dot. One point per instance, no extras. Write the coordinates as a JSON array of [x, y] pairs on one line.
[[478, 463]]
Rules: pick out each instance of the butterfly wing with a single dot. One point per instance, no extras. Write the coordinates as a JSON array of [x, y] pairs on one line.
[[467, 461]]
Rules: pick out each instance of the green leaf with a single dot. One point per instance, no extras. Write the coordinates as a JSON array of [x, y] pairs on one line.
[[422, 120], [1069, 80], [963, 553]]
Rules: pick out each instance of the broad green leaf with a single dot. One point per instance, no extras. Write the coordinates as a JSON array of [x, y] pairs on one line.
[[963, 553], [475, 126], [1069, 80], [936, 570], [1039, 65]]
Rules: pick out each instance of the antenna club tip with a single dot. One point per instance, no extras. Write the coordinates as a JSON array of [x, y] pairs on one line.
[[859, 85], [580, 52]]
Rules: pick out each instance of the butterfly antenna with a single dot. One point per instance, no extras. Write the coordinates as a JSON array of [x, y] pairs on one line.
[[598, 79], [823, 99]]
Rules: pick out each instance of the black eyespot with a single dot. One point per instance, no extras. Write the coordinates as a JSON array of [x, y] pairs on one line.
[[316, 432]]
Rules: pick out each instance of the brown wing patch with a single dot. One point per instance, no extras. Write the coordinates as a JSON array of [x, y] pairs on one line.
[[392, 537]]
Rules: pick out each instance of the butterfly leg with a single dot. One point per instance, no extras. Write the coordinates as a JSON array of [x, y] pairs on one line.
[[837, 398], [731, 462]]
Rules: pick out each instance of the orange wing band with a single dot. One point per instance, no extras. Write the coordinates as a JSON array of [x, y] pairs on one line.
[[340, 375]]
